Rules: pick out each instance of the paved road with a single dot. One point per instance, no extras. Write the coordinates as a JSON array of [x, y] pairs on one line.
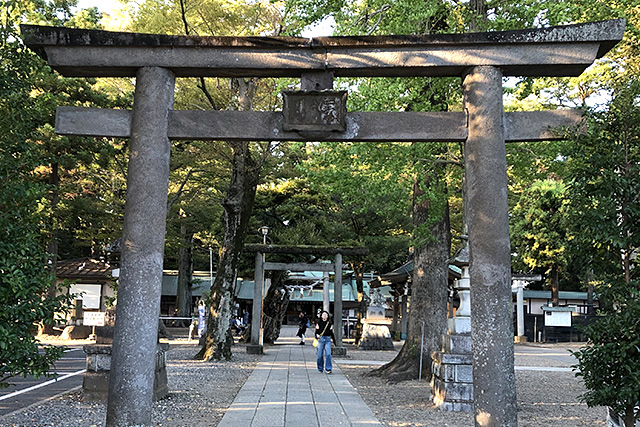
[[556, 357], [286, 389], [28, 391]]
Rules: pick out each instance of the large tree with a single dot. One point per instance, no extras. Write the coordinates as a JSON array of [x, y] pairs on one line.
[[428, 315], [25, 277], [604, 190], [539, 231], [212, 17], [427, 165]]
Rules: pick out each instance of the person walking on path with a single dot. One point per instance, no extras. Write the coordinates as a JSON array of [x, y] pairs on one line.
[[302, 329], [324, 335]]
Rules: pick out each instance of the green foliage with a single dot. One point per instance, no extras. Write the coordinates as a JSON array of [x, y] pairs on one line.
[[538, 227], [201, 171], [36, 167], [24, 276], [604, 170], [604, 187], [609, 363], [206, 17]]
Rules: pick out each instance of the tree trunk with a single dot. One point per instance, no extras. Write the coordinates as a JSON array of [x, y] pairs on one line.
[[52, 245], [275, 308], [629, 416], [185, 271], [238, 205], [590, 309], [363, 300], [428, 287], [478, 15], [555, 288]]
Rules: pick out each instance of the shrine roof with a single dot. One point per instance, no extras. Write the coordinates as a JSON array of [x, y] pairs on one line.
[[83, 269]]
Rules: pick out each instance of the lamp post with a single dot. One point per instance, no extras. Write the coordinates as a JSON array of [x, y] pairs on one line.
[[264, 230]]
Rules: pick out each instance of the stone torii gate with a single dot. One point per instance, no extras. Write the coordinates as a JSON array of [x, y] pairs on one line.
[[261, 266], [481, 60]]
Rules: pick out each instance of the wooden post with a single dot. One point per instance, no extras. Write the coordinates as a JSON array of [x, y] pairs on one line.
[[494, 392], [136, 328]]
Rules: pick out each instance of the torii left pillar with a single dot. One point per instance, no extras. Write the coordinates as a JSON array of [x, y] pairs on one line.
[[140, 287], [494, 388]]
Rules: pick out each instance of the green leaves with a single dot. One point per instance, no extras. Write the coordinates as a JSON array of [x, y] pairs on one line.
[[539, 226], [609, 363]]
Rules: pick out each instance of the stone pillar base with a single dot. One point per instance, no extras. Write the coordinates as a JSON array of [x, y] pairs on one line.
[[255, 349], [520, 339], [338, 351], [95, 384], [452, 380], [375, 337]]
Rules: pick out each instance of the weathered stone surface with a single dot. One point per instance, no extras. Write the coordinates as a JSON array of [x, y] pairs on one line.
[[489, 250], [457, 344], [555, 51], [452, 392], [140, 286], [95, 384], [97, 349], [461, 373], [74, 332], [320, 111], [375, 337], [338, 351], [255, 349], [256, 309], [456, 359], [459, 325], [104, 335], [361, 126]]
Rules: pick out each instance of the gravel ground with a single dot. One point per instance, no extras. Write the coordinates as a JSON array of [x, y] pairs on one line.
[[200, 393], [544, 398]]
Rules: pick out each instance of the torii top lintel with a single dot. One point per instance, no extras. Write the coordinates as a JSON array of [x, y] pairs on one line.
[[555, 51]]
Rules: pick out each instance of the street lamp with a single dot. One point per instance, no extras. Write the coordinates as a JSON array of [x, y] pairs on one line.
[[264, 230]]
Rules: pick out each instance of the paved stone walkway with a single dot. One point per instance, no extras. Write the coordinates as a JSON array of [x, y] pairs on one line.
[[286, 389]]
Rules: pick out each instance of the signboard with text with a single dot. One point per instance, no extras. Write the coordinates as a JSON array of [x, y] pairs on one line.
[[93, 318]]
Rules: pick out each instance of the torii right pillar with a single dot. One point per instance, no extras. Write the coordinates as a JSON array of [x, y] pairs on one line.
[[494, 388]]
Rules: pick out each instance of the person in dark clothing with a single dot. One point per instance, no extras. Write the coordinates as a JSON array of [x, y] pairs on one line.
[[302, 328], [324, 335]]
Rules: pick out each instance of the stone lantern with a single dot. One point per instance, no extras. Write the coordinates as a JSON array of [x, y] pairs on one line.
[[452, 380]]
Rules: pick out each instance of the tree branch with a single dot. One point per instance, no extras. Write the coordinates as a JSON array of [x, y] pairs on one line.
[[203, 84], [179, 193], [124, 173], [183, 14], [203, 87]]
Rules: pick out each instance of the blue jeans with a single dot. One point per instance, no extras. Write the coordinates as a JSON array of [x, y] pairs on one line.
[[324, 346]]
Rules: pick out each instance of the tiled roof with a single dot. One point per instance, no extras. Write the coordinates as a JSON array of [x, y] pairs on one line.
[[83, 269]]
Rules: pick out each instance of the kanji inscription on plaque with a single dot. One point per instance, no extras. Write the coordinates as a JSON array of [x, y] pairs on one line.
[[315, 110]]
